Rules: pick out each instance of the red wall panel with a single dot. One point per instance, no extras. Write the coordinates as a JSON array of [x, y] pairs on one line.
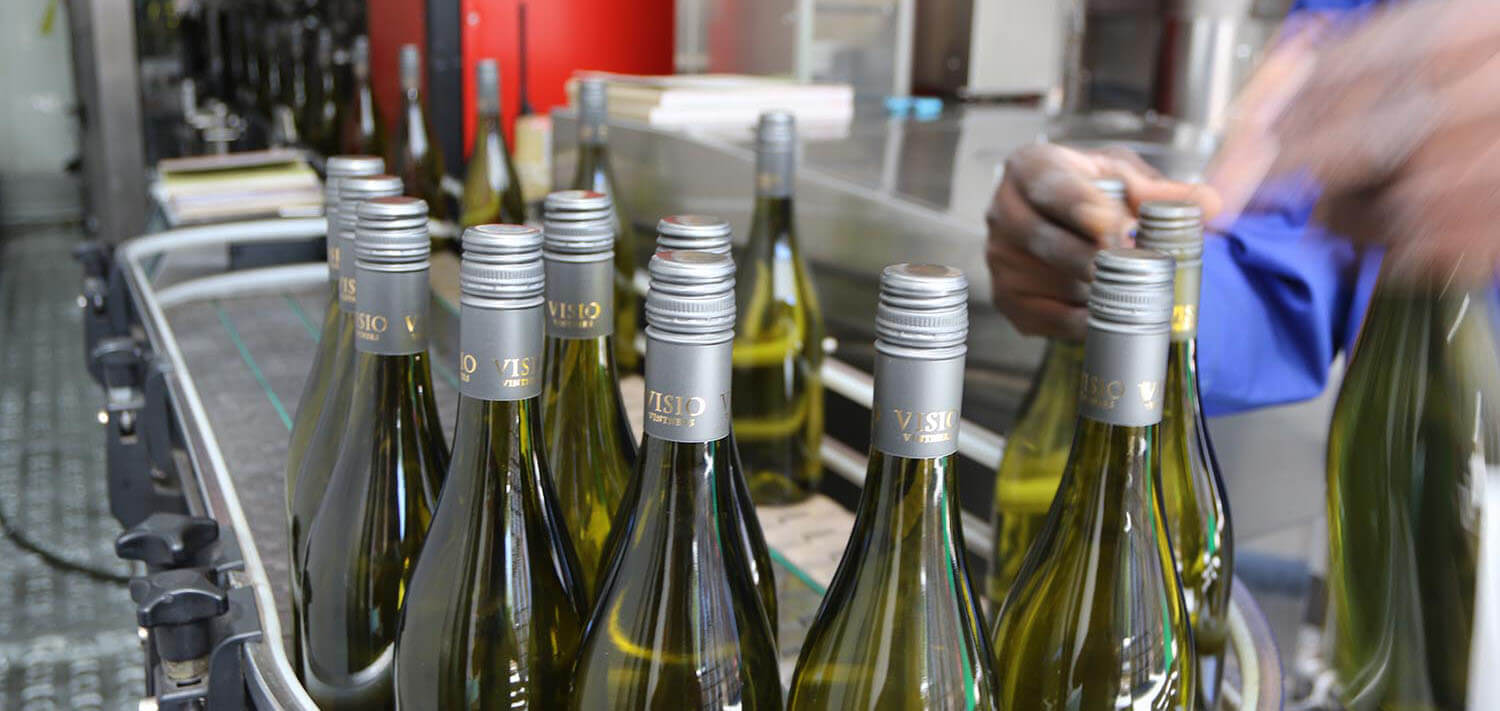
[[632, 36], [392, 24]]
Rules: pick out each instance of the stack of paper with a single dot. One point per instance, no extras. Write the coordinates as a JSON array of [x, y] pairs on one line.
[[720, 100], [237, 186]]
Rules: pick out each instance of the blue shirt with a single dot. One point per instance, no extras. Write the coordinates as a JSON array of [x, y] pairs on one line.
[[1281, 296]]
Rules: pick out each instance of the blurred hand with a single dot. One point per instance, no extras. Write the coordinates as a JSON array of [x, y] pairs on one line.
[[1047, 220], [1398, 120]]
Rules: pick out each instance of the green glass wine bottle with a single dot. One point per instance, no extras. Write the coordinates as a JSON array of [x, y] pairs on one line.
[[327, 365], [268, 93], [415, 155], [594, 173], [778, 347], [587, 437], [322, 118], [902, 583], [1415, 433], [1096, 619], [308, 478], [704, 233], [494, 612], [1036, 450], [295, 75], [362, 130], [1192, 489], [492, 193], [355, 565], [678, 623]]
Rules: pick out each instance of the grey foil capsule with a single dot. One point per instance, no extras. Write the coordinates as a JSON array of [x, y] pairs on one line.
[[690, 333], [1125, 354], [578, 251], [411, 67], [921, 325], [487, 86], [500, 322], [593, 109], [775, 154]]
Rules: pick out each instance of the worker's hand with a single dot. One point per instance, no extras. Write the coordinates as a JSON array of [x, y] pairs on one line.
[[1047, 220], [1398, 121]]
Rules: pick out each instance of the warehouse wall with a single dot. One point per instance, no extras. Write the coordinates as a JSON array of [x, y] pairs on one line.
[[38, 128]]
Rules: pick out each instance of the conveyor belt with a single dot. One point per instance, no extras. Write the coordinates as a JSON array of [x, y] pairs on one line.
[[249, 357]]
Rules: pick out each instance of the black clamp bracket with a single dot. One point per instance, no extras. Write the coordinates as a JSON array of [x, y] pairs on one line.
[[143, 436]]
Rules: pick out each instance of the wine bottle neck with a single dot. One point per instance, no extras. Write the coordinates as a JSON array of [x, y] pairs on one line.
[[1123, 377], [917, 400], [687, 390], [507, 429], [580, 297], [335, 249], [772, 222], [391, 303], [593, 131], [1110, 469], [775, 173], [346, 272], [903, 496], [1186, 287], [592, 158], [500, 351]]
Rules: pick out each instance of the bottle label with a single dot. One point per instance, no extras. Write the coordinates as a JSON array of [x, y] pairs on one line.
[[774, 173], [687, 391], [916, 406], [1123, 377], [580, 299], [334, 248], [499, 352], [1185, 306], [390, 317], [348, 302]]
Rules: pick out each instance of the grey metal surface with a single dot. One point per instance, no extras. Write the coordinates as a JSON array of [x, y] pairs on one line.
[[67, 640], [249, 356], [108, 84]]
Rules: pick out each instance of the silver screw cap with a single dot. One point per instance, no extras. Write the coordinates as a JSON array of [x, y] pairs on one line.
[[1174, 227], [578, 222], [1132, 291], [392, 231], [502, 265], [922, 307], [691, 298], [703, 233]]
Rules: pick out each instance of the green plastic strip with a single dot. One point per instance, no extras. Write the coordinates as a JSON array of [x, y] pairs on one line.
[[260, 377], [302, 316], [795, 571]]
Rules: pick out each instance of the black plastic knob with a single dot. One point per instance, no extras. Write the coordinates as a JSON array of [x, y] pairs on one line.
[[176, 605], [167, 540]]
